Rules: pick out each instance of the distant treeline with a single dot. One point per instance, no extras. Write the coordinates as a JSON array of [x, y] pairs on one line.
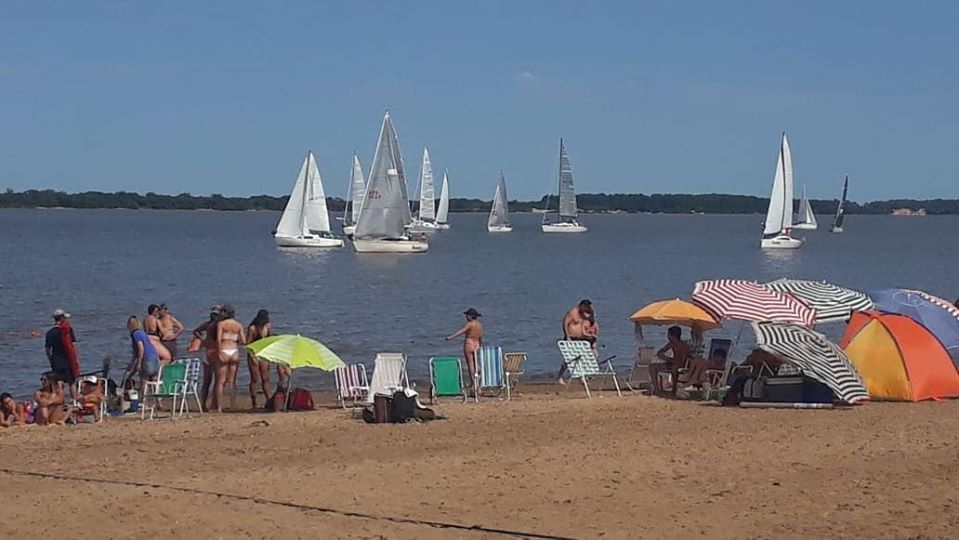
[[588, 202]]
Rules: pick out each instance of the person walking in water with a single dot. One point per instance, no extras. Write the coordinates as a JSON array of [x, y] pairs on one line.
[[260, 327], [472, 341], [229, 337], [579, 324], [61, 350]]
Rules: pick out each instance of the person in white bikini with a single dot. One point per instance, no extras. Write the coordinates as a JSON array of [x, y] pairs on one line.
[[229, 337]]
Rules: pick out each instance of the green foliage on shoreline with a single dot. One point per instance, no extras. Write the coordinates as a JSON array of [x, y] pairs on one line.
[[588, 202]]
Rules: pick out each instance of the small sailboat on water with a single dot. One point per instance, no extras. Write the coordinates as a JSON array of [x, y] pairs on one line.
[[426, 217], [385, 215], [305, 221], [778, 226], [354, 197], [841, 210], [443, 210], [807, 219], [499, 212], [567, 210]]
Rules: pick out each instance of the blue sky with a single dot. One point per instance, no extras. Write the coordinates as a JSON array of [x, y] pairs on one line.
[[690, 97]]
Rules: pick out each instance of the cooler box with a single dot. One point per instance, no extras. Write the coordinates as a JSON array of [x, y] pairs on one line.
[[784, 389]]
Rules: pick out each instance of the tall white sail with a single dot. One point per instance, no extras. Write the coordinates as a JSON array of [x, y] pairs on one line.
[[567, 193], [780, 214], [499, 212], [357, 191], [427, 200], [385, 212], [807, 218], [316, 217], [442, 212], [291, 222]]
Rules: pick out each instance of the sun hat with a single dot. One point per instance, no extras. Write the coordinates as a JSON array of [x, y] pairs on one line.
[[92, 379], [472, 313]]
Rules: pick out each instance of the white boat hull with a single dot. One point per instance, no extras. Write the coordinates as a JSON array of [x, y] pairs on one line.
[[836, 230], [308, 241], [568, 228], [782, 242], [499, 229], [443, 226], [805, 226], [349, 230], [399, 245], [424, 227]]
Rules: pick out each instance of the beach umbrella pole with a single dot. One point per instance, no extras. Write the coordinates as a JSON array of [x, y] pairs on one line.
[[289, 390]]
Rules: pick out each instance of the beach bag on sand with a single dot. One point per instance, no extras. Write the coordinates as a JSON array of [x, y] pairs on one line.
[[402, 407], [754, 389], [301, 400]]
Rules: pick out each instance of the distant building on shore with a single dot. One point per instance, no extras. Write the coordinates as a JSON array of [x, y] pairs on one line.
[[908, 212]]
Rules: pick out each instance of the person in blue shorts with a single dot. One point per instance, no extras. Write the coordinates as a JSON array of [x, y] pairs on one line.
[[145, 362]]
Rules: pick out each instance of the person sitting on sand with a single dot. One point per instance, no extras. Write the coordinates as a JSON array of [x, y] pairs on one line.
[[699, 366], [680, 354], [230, 337], [473, 340], [49, 398], [579, 324], [145, 359], [11, 412], [91, 396]]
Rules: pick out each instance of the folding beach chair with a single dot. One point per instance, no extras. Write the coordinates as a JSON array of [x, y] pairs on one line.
[[191, 385], [582, 364], [489, 365], [645, 355], [80, 411], [389, 375], [351, 384], [514, 366], [446, 378], [169, 384]]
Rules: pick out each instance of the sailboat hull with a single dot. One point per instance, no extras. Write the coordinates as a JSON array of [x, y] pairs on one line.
[[782, 242], [390, 245], [424, 226], [568, 228], [308, 241], [499, 228], [349, 230], [836, 230], [443, 226]]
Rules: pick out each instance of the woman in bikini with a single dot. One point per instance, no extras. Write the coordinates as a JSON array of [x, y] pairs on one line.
[[229, 337], [259, 328], [11, 412], [473, 340], [206, 333]]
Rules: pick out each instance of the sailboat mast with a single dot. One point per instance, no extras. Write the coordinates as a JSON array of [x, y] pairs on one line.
[[306, 194], [786, 196], [349, 195]]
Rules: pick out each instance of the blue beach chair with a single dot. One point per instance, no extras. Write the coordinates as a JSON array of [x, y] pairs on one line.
[[489, 363]]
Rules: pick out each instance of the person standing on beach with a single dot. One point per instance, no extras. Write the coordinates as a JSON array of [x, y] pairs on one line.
[[206, 333], [145, 362], [579, 324], [472, 341], [229, 337], [62, 351], [151, 323], [170, 329], [260, 327]]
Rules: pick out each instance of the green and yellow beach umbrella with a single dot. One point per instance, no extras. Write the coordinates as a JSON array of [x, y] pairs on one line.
[[295, 351]]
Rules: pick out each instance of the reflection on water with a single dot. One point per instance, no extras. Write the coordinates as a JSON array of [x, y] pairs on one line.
[[104, 265]]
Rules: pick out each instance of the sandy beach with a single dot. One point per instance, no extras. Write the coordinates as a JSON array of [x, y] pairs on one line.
[[549, 463]]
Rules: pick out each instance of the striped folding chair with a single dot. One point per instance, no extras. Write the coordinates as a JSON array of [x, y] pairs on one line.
[[582, 364], [489, 364], [351, 384], [514, 367]]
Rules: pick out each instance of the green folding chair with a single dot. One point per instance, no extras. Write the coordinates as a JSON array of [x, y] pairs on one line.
[[171, 384], [446, 378]]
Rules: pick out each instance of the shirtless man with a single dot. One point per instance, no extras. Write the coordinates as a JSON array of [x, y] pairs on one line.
[[49, 400], [579, 324], [170, 329], [473, 340], [206, 333], [230, 337], [681, 353]]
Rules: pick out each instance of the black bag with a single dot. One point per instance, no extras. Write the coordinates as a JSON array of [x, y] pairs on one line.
[[402, 408]]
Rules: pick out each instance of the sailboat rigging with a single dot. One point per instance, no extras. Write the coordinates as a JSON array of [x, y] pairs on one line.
[[568, 213], [306, 221]]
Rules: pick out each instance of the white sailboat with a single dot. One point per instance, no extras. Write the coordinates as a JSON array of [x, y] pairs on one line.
[[354, 197], [426, 219], [779, 217], [305, 221], [841, 210], [499, 212], [568, 212], [385, 215], [807, 217], [443, 210]]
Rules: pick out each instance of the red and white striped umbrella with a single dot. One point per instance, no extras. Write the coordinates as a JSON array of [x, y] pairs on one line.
[[750, 301]]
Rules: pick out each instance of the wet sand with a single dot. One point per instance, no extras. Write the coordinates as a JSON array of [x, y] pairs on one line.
[[547, 463]]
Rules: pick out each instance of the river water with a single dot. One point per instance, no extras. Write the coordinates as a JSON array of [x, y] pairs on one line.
[[104, 265]]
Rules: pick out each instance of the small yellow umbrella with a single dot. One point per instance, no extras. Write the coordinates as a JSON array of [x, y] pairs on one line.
[[678, 312]]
